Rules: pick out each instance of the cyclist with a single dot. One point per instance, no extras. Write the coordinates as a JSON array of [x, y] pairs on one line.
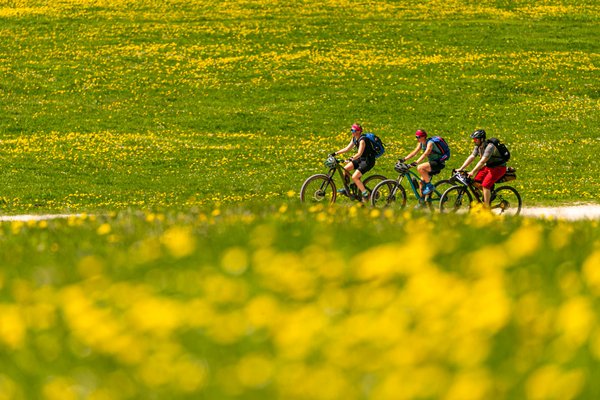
[[362, 162], [490, 167], [434, 163]]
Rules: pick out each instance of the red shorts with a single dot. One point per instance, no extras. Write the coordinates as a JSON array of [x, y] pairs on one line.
[[488, 176]]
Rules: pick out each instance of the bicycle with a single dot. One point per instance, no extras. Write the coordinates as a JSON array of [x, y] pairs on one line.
[[391, 191], [505, 200], [321, 188]]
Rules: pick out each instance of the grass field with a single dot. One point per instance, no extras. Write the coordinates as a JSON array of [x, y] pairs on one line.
[[180, 132], [117, 104]]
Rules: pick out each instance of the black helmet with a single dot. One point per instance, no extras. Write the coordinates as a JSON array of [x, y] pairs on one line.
[[478, 134]]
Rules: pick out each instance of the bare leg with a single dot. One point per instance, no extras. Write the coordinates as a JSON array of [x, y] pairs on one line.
[[348, 167], [356, 179], [424, 170], [487, 195]]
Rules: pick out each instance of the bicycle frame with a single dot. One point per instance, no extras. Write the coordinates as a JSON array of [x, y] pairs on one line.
[[344, 175], [346, 178], [415, 186], [316, 186], [469, 184], [504, 198]]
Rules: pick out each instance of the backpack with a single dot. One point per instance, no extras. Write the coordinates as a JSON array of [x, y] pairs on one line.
[[376, 144], [504, 153], [441, 146]]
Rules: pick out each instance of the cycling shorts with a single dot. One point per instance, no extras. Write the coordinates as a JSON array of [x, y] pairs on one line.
[[363, 164], [436, 167], [488, 176]]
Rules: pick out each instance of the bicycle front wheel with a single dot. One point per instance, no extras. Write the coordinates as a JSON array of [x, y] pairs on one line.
[[388, 193], [456, 199], [318, 189], [506, 201]]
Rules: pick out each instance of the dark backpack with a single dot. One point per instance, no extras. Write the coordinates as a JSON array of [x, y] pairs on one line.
[[376, 144], [504, 153], [441, 147]]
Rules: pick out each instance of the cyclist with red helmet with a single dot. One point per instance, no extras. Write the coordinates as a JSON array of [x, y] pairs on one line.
[[490, 167], [361, 162], [435, 162]]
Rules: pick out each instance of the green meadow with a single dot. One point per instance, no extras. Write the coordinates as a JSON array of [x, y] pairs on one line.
[[178, 134], [129, 104]]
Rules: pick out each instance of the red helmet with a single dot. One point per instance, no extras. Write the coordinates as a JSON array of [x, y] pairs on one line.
[[356, 128], [420, 133]]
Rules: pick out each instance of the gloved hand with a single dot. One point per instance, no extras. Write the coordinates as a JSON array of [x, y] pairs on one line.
[[401, 159], [413, 164], [331, 154]]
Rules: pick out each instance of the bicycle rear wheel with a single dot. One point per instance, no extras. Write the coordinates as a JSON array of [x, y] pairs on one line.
[[435, 196], [388, 193], [506, 201], [372, 181], [318, 189], [456, 199], [440, 188]]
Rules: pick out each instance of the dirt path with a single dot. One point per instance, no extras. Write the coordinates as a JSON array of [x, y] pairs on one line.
[[586, 211], [572, 213]]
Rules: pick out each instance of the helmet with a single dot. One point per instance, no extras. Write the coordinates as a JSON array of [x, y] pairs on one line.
[[400, 167], [330, 162], [478, 134], [357, 128], [420, 133]]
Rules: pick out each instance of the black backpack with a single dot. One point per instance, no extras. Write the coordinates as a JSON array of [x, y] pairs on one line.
[[504, 153]]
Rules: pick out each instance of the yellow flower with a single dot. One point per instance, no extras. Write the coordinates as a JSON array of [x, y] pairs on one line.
[[550, 382], [179, 241], [254, 370], [235, 260], [12, 326], [103, 229], [591, 272]]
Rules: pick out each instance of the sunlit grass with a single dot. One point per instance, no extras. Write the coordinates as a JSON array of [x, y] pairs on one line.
[[114, 105]]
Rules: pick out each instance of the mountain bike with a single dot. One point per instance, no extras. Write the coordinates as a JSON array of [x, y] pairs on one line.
[[505, 200], [321, 188], [391, 192]]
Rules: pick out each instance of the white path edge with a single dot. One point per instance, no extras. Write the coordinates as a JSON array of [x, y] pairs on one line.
[[35, 217], [572, 213]]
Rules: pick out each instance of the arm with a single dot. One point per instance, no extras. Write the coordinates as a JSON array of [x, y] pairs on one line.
[[361, 149], [345, 149], [479, 165], [487, 153], [426, 152], [413, 153], [467, 162]]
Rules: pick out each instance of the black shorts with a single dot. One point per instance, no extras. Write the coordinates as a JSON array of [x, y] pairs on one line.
[[436, 167], [364, 165]]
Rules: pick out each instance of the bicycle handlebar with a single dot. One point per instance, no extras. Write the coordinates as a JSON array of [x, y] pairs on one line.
[[403, 167], [462, 176]]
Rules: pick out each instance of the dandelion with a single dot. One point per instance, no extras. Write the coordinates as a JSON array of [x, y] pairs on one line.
[[104, 229], [591, 272], [12, 326], [235, 261], [254, 370], [179, 241], [550, 382]]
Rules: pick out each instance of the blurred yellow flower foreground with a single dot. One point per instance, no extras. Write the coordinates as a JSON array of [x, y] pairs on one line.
[[294, 305]]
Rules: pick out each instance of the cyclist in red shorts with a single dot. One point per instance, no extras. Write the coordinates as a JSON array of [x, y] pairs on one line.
[[490, 167]]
